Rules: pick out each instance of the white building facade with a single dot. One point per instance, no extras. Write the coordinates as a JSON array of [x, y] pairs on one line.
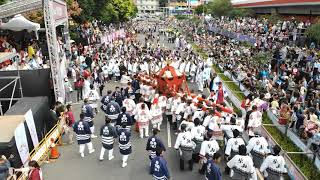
[[147, 6]]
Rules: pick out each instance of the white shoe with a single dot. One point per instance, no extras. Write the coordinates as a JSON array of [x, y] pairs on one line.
[[82, 155], [147, 135], [124, 164], [110, 158], [101, 159], [141, 137], [91, 151], [93, 136]]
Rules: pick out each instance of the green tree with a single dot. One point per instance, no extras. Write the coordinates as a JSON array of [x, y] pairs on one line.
[[313, 32], [114, 11], [200, 9], [108, 14], [3, 2], [88, 8], [241, 12], [220, 7], [163, 3]]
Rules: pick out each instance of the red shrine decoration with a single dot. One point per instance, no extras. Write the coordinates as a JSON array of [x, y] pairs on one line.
[[171, 82]]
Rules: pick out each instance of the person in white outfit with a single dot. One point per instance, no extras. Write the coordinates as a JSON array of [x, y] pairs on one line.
[[143, 117], [274, 165]]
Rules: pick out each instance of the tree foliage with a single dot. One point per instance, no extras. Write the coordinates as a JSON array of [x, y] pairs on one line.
[[162, 3], [313, 32], [220, 7], [241, 12], [88, 8], [35, 16], [73, 8], [201, 9], [3, 2]]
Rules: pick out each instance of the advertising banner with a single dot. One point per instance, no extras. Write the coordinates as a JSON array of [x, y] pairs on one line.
[[32, 128], [22, 143]]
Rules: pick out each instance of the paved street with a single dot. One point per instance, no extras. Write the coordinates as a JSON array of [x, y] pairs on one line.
[[71, 166]]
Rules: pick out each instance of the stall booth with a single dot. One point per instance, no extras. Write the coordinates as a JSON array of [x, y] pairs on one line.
[[14, 140], [22, 128]]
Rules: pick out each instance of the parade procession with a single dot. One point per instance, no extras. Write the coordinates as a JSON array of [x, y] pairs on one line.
[[159, 90]]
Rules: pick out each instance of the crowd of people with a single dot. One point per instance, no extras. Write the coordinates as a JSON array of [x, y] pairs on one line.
[[287, 82], [29, 53], [197, 119], [200, 121], [266, 32]]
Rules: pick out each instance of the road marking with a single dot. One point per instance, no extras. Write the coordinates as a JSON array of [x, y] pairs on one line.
[[169, 134]]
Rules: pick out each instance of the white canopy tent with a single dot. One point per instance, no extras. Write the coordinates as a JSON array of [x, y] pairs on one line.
[[19, 23]]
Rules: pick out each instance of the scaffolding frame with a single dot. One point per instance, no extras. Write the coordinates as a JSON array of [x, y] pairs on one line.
[[13, 80], [22, 6]]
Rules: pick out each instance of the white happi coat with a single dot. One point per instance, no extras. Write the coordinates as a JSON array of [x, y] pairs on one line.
[[92, 96], [143, 117], [274, 163], [156, 113], [130, 105], [244, 164]]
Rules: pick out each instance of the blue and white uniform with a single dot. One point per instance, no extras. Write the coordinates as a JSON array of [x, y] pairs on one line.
[[124, 118], [108, 134], [83, 136], [82, 130], [159, 169], [106, 99], [112, 110], [124, 141], [88, 114], [154, 143]]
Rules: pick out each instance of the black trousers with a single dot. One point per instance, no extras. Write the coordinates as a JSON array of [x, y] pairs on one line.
[[190, 162]]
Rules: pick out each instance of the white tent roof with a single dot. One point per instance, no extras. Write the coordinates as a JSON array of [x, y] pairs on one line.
[[19, 23]]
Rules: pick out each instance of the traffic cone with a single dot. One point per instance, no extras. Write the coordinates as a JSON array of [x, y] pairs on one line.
[[54, 153]]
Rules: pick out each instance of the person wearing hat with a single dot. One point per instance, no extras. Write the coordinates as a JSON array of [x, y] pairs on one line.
[[274, 164], [233, 144], [213, 171], [185, 146], [258, 147]]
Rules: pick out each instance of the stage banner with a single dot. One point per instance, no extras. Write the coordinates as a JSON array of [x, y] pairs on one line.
[[32, 127], [22, 143]]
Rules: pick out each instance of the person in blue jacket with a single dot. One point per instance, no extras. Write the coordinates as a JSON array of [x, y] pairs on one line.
[[83, 135], [124, 118], [158, 168], [213, 172], [154, 143]]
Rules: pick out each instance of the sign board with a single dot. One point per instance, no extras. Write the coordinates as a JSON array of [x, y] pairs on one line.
[[32, 128], [22, 143], [59, 10]]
